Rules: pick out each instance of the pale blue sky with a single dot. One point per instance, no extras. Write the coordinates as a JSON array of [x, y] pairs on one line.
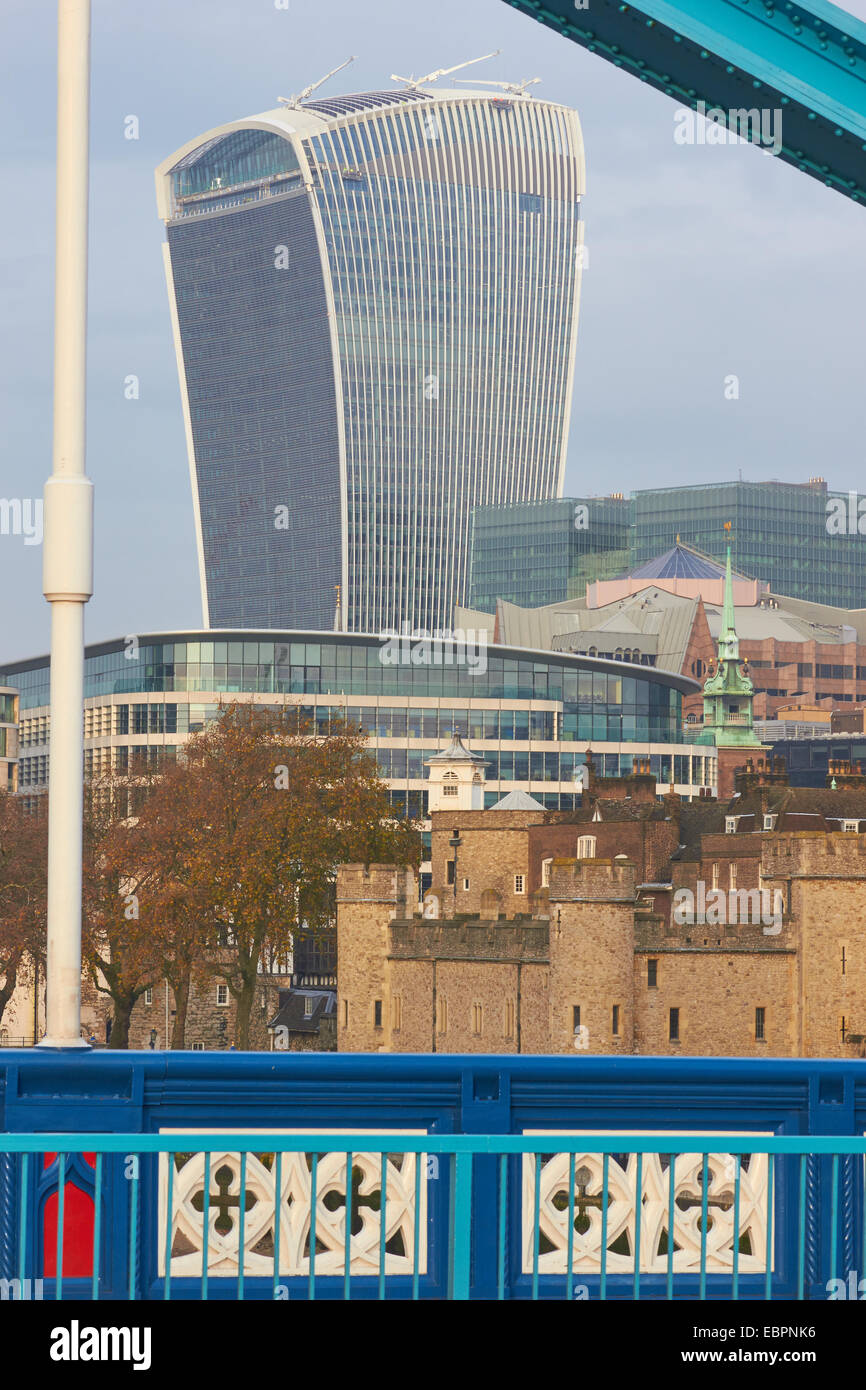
[[703, 261]]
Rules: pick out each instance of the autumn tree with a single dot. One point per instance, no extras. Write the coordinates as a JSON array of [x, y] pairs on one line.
[[23, 878], [177, 904], [118, 944], [270, 809]]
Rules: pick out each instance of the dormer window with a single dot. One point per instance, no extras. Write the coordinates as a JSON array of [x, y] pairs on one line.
[[731, 825], [769, 822], [852, 826]]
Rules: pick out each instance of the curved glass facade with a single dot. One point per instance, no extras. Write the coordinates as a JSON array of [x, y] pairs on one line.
[[442, 237], [597, 703], [240, 158], [530, 714]]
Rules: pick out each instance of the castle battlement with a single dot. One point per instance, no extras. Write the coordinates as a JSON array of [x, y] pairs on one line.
[[658, 935], [375, 883], [814, 854], [469, 938], [589, 880]]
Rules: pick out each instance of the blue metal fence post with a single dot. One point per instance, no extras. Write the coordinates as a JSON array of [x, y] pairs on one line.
[[486, 1109], [831, 1111], [460, 1261], [9, 1167]]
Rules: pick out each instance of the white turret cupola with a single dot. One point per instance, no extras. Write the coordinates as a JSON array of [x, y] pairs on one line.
[[456, 779]]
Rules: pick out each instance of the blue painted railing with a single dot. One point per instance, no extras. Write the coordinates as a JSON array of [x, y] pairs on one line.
[[135, 1274], [413, 1177]]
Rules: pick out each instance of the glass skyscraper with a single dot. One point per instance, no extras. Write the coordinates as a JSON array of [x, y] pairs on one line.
[[375, 304]]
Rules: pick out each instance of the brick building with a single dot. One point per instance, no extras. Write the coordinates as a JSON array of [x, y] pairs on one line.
[[630, 925]]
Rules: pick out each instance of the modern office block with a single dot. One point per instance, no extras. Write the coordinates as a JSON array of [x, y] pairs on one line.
[[801, 539], [535, 553]]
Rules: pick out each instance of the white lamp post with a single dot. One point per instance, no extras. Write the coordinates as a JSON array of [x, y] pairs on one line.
[[67, 575]]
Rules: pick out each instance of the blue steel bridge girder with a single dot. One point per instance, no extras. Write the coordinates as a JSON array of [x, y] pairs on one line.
[[807, 59]]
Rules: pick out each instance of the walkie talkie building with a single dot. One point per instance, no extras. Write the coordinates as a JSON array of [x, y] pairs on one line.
[[375, 303]]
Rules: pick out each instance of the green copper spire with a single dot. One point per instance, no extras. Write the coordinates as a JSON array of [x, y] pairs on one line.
[[728, 691], [729, 643]]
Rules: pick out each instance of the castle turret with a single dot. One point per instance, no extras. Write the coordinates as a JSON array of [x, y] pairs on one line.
[[591, 992], [369, 897]]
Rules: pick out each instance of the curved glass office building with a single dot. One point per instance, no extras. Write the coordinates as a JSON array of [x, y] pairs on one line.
[[375, 304], [529, 714]]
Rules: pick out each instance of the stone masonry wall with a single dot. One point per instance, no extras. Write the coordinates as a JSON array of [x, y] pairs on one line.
[[368, 897], [493, 852], [591, 954]]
